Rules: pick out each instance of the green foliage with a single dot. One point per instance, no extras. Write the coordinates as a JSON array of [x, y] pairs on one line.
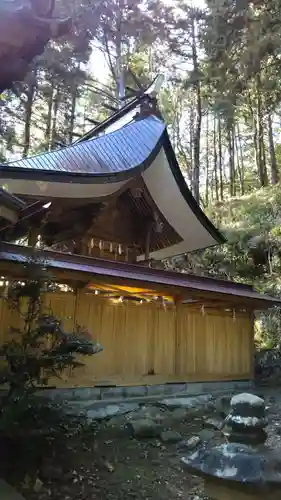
[[252, 225], [39, 348]]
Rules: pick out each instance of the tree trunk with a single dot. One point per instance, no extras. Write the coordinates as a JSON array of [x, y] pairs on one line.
[[120, 87], [28, 113], [260, 138], [72, 115], [216, 161], [239, 169], [230, 143], [256, 146], [198, 123], [241, 161], [55, 115], [273, 162], [220, 161], [191, 138], [49, 119], [207, 162]]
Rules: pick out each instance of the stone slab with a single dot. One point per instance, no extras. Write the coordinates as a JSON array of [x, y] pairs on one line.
[[186, 402], [137, 391], [156, 390], [112, 392], [170, 389], [7, 492], [109, 411]]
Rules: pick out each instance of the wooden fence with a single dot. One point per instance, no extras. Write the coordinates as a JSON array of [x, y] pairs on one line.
[[145, 344]]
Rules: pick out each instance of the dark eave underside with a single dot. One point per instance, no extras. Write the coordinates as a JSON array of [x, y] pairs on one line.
[[98, 268], [10, 201]]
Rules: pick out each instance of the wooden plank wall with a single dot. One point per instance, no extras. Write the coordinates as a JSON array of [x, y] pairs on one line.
[[145, 344]]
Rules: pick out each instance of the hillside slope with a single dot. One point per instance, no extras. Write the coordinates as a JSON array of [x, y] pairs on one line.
[[252, 225]]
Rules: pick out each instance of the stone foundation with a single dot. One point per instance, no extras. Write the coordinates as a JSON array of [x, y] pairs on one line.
[[103, 395]]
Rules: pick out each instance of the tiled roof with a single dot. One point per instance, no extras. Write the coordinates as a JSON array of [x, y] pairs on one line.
[[110, 154]]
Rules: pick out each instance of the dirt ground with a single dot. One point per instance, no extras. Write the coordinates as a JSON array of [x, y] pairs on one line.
[[109, 464]]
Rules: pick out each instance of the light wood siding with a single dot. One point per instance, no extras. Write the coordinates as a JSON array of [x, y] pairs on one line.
[[145, 344]]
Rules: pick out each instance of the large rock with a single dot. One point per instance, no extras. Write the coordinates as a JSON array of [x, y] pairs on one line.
[[247, 405], [237, 466], [144, 428]]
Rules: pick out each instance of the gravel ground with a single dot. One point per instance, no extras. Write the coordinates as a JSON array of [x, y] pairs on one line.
[[108, 464]]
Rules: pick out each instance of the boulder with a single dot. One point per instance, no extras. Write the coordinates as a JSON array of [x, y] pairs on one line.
[[144, 428], [248, 405]]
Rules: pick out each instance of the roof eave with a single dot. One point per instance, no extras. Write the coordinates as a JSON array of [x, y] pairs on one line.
[[186, 193], [95, 268]]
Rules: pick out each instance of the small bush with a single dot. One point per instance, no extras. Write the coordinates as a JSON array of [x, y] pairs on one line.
[[35, 351]]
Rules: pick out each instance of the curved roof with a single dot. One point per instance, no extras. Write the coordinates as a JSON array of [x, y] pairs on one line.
[[107, 158], [99, 166]]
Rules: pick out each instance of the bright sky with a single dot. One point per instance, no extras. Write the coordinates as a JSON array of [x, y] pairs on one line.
[[98, 64]]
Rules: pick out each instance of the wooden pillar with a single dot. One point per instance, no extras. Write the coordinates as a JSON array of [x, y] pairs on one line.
[[148, 240], [252, 346], [32, 237]]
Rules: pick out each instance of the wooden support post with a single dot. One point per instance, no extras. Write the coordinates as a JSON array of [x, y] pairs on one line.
[[32, 237], [148, 240], [252, 346]]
